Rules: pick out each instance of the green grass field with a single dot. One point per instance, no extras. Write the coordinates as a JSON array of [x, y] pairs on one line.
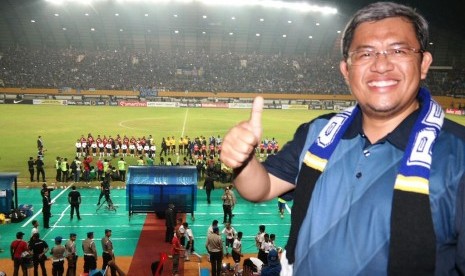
[[60, 126]]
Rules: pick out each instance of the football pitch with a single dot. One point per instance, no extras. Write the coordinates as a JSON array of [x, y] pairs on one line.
[[60, 126]]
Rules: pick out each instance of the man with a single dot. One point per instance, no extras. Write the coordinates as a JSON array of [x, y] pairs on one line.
[[76, 169], [273, 267], [39, 250], [170, 222], [209, 186], [228, 203], [105, 190], [40, 169], [107, 252], [90, 253], [74, 199], [176, 249], [71, 255], [381, 178], [237, 251], [40, 143], [214, 247], [58, 169], [100, 169], [58, 257], [122, 169], [64, 166], [229, 232], [190, 243], [30, 165], [17, 248], [46, 188], [46, 206], [86, 164], [35, 227]]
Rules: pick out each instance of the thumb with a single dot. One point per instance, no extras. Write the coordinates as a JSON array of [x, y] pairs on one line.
[[256, 117]]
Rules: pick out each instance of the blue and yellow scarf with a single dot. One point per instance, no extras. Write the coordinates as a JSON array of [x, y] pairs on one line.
[[412, 242]]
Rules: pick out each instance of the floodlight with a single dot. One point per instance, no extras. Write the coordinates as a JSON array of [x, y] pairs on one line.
[[277, 4]]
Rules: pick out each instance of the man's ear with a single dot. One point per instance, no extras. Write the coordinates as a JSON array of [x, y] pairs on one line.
[[426, 61], [344, 68]]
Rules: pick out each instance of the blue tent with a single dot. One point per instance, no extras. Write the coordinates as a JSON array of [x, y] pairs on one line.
[[152, 188], [8, 191]]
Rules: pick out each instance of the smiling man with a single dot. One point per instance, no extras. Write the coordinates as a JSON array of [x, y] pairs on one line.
[[378, 188]]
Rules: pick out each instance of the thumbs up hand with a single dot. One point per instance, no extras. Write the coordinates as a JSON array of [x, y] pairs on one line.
[[240, 142]]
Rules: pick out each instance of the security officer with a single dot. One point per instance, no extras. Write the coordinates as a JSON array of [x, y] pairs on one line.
[[30, 165], [74, 199], [71, 255], [107, 252], [58, 257], [90, 253], [39, 248]]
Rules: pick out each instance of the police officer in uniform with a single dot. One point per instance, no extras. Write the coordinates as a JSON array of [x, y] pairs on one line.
[[107, 252], [58, 257], [90, 253], [71, 255]]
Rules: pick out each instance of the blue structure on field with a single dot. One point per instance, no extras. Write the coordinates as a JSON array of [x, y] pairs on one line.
[[8, 190], [151, 188]]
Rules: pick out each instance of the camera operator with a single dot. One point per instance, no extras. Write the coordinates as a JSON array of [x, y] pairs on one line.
[[105, 189]]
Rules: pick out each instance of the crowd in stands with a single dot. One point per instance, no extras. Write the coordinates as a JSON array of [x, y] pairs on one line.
[[192, 71], [188, 71]]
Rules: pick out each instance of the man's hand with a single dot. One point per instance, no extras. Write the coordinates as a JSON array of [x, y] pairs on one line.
[[240, 142]]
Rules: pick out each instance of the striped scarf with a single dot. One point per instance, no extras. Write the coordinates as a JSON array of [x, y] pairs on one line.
[[412, 240]]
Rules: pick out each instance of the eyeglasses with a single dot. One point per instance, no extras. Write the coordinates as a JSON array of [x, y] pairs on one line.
[[366, 56]]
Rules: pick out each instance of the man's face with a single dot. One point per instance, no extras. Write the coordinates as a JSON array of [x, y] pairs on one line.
[[384, 88]]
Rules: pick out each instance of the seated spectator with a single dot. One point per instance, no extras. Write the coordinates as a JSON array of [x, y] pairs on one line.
[[252, 267], [274, 267]]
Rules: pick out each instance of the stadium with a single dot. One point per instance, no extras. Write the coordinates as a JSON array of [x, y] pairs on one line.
[[184, 71]]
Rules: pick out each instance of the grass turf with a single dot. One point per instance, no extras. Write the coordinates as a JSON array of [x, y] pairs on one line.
[[60, 126]]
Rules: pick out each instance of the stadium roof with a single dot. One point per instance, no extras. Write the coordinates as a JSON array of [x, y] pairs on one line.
[[191, 25]]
